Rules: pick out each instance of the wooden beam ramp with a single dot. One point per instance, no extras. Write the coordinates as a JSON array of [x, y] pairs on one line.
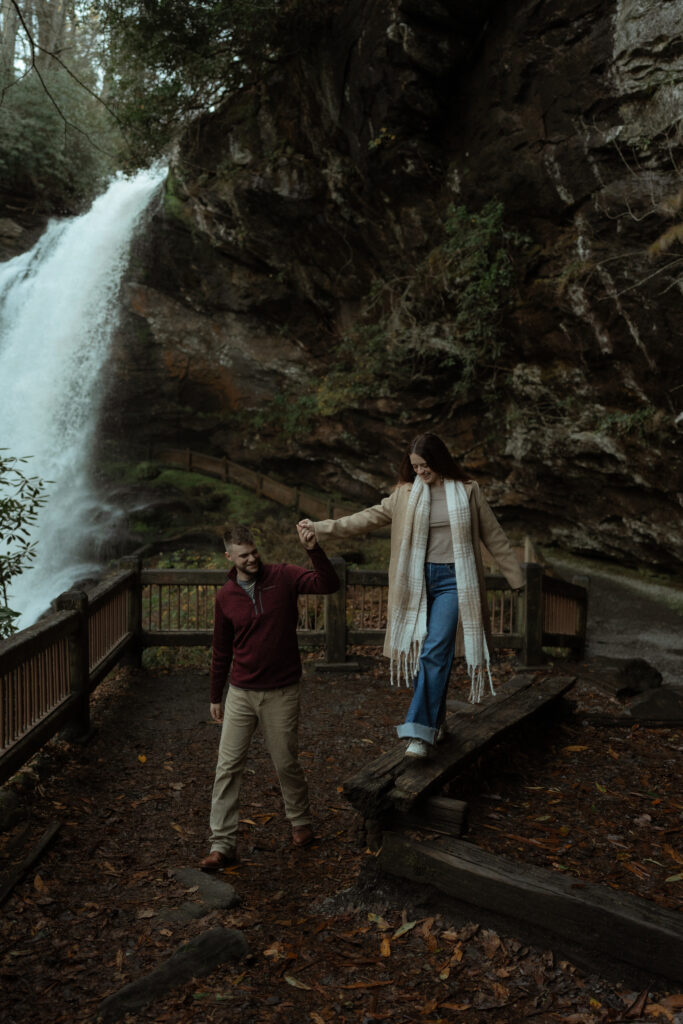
[[396, 796], [396, 783], [624, 929]]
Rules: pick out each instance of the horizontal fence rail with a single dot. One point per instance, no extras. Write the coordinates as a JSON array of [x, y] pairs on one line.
[[265, 486], [48, 671]]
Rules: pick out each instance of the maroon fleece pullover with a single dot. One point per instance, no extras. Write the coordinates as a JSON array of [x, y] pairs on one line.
[[259, 636]]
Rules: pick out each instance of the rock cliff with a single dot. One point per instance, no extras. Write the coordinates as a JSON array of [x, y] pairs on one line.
[[304, 220]]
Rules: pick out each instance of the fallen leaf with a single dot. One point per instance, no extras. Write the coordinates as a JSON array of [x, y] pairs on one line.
[[379, 921], [385, 946], [490, 942], [119, 959], [145, 913], [674, 1002], [295, 983], [407, 927], [674, 878], [39, 884], [659, 1011], [573, 750], [141, 758], [316, 1018]]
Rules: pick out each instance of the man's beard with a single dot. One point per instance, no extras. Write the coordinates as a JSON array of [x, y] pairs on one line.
[[253, 573]]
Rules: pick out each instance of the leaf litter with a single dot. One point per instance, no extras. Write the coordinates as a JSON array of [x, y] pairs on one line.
[[331, 941]]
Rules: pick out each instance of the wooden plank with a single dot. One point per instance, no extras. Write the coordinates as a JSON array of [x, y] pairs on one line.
[[501, 713], [35, 854], [437, 813], [276, 491], [562, 639], [398, 780], [314, 507], [17, 649], [177, 638], [368, 578], [199, 577], [559, 907]]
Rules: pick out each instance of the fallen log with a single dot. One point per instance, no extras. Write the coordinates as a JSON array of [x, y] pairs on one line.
[[558, 908]]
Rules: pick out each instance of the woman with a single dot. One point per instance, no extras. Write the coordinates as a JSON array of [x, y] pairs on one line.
[[437, 589]]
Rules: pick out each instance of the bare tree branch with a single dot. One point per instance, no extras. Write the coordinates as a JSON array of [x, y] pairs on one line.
[[35, 48]]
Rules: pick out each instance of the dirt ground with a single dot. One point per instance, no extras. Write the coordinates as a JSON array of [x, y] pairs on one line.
[[330, 940]]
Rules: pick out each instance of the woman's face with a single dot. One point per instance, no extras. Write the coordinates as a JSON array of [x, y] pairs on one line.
[[422, 470]]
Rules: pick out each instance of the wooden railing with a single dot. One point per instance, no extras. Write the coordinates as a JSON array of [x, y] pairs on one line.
[[259, 483], [48, 671]]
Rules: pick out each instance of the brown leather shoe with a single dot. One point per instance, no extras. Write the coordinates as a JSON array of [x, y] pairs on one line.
[[216, 861], [302, 835]]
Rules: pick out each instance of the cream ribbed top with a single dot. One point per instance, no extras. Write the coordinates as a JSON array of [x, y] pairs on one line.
[[440, 544]]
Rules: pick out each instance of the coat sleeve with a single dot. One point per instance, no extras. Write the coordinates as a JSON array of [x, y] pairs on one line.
[[497, 544], [221, 655], [321, 579], [373, 518]]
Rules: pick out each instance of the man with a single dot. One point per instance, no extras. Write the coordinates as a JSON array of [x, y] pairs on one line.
[[255, 631]]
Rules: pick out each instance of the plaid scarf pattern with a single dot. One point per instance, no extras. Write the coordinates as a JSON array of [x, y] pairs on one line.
[[409, 616]]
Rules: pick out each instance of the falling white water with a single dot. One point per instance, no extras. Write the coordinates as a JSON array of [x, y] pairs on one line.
[[58, 310]]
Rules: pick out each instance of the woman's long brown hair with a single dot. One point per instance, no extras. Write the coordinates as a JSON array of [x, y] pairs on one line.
[[437, 456]]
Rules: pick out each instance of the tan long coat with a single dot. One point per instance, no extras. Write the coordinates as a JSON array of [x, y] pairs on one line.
[[392, 510]]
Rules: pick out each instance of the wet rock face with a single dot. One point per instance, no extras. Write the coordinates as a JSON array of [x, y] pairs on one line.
[[284, 206]]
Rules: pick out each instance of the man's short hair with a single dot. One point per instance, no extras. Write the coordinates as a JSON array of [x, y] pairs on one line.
[[237, 534]]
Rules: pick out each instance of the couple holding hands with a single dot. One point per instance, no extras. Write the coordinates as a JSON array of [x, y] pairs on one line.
[[437, 609]]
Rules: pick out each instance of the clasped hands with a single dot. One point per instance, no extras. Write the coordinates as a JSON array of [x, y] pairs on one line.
[[306, 533]]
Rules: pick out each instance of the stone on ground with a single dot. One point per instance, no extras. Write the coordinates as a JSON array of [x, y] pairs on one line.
[[212, 889]]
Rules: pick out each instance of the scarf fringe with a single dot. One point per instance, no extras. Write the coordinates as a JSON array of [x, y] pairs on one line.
[[478, 677], [404, 665]]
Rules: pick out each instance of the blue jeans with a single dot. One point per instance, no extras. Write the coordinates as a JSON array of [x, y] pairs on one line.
[[428, 706]]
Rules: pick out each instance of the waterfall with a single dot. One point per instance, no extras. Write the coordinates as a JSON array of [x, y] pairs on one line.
[[58, 311]]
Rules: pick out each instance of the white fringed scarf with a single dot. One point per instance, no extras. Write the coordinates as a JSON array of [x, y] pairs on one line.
[[409, 613]]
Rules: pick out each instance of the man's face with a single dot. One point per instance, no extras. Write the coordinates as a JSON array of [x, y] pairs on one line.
[[245, 558]]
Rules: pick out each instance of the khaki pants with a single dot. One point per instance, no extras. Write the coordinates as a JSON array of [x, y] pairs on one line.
[[277, 712]]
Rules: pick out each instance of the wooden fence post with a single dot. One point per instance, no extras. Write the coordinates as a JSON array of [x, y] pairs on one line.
[[532, 605], [335, 618], [335, 625], [79, 663], [133, 655]]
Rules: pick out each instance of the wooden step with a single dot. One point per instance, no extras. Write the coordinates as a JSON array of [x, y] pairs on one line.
[[436, 814], [557, 908], [394, 781]]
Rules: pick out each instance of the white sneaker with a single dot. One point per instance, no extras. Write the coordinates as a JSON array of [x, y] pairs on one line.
[[417, 748]]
